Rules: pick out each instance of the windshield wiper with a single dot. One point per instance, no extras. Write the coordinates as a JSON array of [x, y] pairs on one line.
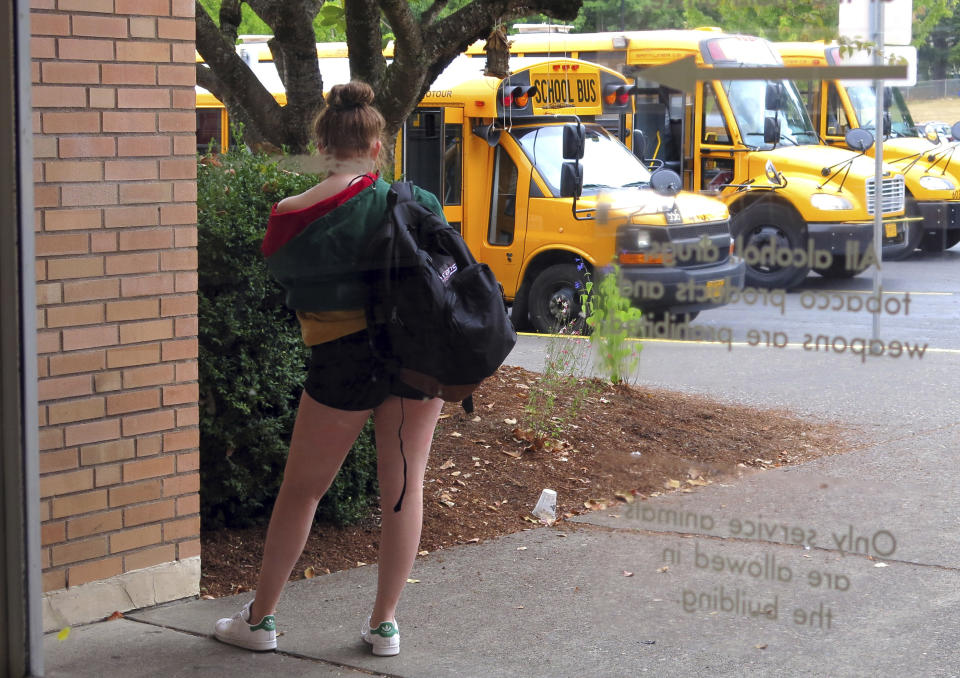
[[636, 184]]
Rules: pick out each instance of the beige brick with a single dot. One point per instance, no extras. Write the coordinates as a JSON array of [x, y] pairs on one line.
[[181, 529], [148, 51], [76, 410], [134, 355], [64, 387], [103, 453], [46, 196], [181, 440], [178, 122], [93, 432], [74, 316], [188, 549], [69, 73], [70, 49], [185, 326], [153, 375], [151, 239], [44, 147], [186, 237], [176, 29], [129, 97], [185, 99], [131, 170], [97, 523], [73, 219], [103, 242], [53, 580], [55, 96], [186, 282], [135, 538], [150, 557], [183, 8], [107, 381], [60, 460], [150, 330], [86, 195], [186, 371], [97, 570], [188, 504], [129, 122], [99, 27], [49, 24], [51, 293], [178, 394], [75, 552], [183, 484], [71, 363], [84, 122], [78, 504], [69, 171], [147, 285], [102, 6], [43, 48], [143, 7], [148, 423], [135, 401], [185, 304], [131, 193], [123, 264], [153, 512], [183, 76], [178, 214], [184, 144], [148, 468], [121, 217], [188, 416], [138, 309], [88, 147], [149, 445], [108, 475], [103, 97], [143, 27], [90, 337], [184, 349], [189, 461], [178, 168], [66, 483], [48, 342], [136, 493], [61, 243], [74, 267], [53, 533], [89, 290], [50, 438], [144, 146]]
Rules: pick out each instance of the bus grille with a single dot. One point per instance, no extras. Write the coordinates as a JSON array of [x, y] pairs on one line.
[[891, 198]]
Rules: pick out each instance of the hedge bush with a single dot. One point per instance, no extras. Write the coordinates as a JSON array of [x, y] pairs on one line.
[[251, 357]]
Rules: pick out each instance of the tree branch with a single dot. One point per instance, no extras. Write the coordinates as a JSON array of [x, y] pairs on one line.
[[230, 18], [404, 25], [433, 10], [365, 41]]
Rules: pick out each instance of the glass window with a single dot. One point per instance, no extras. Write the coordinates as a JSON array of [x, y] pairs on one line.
[[452, 164], [748, 101], [208, 129], [714, 126], [503, 208]]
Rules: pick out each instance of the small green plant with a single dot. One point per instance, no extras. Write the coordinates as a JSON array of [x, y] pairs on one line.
[[614, 322]]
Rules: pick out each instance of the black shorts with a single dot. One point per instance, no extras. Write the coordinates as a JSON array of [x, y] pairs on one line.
[[345, 375]]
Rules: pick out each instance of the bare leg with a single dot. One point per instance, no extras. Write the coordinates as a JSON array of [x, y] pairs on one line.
[[322, 437], [400, 531]]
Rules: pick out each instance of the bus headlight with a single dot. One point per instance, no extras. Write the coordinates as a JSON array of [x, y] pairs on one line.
[[828, 201], [642, 240], [936, 183]]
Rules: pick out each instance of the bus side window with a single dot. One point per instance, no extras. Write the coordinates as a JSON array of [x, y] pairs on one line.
[[503, 208], [837, 123], [208, 129], [452, 164], [713, 124]]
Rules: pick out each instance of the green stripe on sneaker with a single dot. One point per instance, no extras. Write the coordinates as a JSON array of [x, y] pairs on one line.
[[386, 630], [266, 624]]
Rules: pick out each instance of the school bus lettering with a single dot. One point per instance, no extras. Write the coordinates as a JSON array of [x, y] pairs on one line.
[[560, 90]]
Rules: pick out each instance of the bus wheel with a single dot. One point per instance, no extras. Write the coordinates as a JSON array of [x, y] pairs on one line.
[[762, 231], [912, 238], [520, 310], [554, 300], [838, 269], [935, 242]]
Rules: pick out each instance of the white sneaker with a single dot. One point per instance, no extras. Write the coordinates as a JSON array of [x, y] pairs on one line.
[[385, 639], [237, 630]]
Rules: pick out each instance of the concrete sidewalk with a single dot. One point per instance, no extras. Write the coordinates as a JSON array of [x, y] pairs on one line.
[[846, 566]]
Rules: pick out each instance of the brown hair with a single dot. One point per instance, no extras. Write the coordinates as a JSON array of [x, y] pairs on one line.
[[349, 124]]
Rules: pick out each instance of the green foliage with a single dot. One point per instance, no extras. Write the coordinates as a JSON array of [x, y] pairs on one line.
[[638, 15], [614, 322], [558, 393], [328, 25], [251, 355]]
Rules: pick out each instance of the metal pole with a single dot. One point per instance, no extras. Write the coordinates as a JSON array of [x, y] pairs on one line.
[[878, 165]]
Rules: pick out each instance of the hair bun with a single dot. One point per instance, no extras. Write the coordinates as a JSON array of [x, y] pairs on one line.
[[354, 94]]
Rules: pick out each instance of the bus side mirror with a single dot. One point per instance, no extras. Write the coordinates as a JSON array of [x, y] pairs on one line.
[[574, 141], [571, 180], [640, 144], [771, 130], [887, 124], [955, 132], [488, 133], [773, 96], [666, 182], [859, 139]]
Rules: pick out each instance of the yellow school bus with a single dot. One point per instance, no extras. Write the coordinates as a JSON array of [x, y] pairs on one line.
[[725, 137], [932, 181], [492, 150]]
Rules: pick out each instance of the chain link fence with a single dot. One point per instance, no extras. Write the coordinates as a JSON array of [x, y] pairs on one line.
[[932, 89]]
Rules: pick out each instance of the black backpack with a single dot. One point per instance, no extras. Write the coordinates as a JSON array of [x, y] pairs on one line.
[[436, 317]]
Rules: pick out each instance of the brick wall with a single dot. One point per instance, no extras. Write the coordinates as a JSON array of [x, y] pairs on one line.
[[116, 274]]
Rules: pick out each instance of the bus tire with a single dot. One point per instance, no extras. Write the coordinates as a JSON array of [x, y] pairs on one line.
[[520, 309], [913, 236], [935, 242], [839, 269], [764, 223], [554, 300]]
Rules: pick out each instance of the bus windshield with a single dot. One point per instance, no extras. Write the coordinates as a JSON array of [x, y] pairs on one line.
[[606, 162], [747, 99], [864, 101]]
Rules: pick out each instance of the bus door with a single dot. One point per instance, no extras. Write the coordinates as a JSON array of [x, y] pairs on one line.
[[716, 158], [433, 157], [836, 120]]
